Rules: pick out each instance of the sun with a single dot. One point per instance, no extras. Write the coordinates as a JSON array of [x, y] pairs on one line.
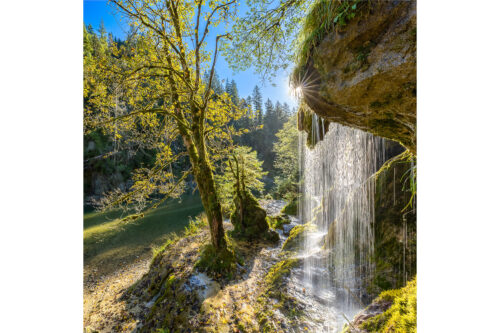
[[295, 91]]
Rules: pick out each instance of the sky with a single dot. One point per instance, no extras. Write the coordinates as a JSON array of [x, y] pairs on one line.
[[95, 11]]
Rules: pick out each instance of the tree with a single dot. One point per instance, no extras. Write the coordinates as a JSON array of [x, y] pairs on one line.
[[243, 175], [160, 86], [287, 162], [257, 104], [242, 171], [267, 35]]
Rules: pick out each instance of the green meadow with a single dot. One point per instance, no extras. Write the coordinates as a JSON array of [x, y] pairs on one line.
[[110, 242]]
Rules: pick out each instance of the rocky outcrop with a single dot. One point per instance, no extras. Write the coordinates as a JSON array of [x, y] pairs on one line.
[[363, 74]]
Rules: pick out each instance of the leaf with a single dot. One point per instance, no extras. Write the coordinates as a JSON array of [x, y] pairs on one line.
[[354, 6]]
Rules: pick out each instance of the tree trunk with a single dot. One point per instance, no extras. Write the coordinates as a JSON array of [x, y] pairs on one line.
[[206, 185], [195, 144]]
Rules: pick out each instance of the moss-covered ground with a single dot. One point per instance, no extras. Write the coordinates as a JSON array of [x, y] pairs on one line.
[[400, 316]]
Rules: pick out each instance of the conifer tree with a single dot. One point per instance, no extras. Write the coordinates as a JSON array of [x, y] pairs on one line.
[[257, 104]]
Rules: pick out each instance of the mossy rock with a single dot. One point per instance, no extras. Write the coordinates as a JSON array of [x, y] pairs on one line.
[[297, 236], [363, 67], [277, 273], [248, 218], [398, 314], [274, 288], [277, 222], [291, 208], [307, 122]]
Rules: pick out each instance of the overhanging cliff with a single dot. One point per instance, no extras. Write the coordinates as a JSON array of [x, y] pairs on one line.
[[363, 74]]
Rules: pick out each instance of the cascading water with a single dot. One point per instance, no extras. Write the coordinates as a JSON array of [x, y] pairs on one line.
[[338, 199]]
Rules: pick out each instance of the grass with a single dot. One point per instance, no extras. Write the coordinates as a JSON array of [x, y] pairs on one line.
[[109, 240]]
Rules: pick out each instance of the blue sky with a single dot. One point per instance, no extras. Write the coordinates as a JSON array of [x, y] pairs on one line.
[[95, 11]]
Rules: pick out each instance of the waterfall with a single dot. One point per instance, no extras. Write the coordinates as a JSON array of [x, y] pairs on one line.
[[338, 199]]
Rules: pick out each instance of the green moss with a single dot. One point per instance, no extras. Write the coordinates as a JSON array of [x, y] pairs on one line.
[[320, 20], [279, 271], [401, 317], [248, 218], [277, 222], [216, 263], [274, 288], [297, 235], [291, 207]]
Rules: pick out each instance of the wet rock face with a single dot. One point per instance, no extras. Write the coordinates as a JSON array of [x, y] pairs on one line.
[[395, 254], [364, 74]]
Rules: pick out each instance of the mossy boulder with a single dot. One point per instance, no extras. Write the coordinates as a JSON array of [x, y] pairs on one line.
[[249, 219], [297, 236], [277, 222], [363, 74], [291, 208]]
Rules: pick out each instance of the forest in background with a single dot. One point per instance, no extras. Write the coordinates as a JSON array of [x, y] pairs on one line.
[[109, 160]]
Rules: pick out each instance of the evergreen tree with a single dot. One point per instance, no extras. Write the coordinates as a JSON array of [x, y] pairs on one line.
[[257, 104], [233, 92], [287, 111]]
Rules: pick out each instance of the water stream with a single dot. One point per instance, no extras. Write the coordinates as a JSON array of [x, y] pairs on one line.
[[338, 199]]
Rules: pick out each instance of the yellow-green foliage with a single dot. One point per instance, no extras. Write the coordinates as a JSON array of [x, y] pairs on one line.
[[297, 234], [401, 317]]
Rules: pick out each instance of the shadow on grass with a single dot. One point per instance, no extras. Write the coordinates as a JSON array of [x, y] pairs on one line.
[[110, 242]]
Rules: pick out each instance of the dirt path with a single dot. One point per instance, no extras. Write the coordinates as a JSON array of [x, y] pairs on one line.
[[102, 304], [234, 306]]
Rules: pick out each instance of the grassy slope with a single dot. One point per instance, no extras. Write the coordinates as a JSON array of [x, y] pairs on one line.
[[108, 241]]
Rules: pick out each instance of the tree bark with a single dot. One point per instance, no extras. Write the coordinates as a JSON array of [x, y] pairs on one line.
[[206, 185], [195, 143]]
